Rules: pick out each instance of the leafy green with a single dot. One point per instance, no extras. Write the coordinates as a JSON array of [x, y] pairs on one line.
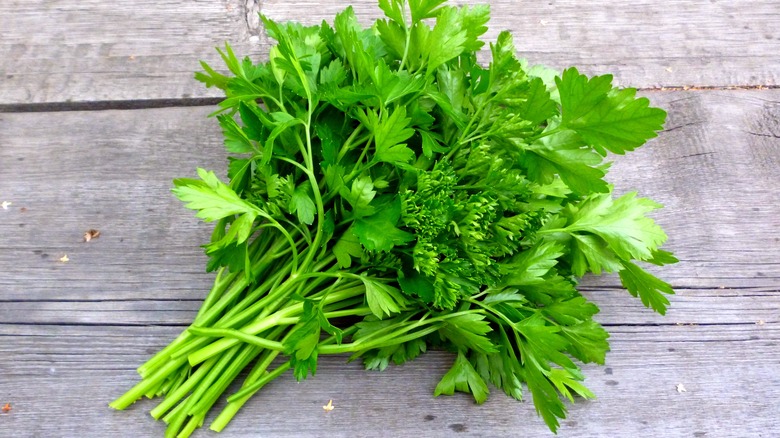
[[389, 194]]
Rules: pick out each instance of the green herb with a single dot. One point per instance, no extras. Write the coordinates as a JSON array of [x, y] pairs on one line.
[[388, 194]]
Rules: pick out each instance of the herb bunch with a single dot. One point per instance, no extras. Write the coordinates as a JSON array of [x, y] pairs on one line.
[[388, 194]]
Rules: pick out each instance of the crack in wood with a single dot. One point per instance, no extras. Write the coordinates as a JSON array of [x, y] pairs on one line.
[[684, 125], [252, 17], [759, 134], [103, 105]]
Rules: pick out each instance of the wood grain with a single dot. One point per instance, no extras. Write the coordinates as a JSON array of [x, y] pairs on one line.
[[72, 333], [58, 51], [645, 43], [93, 50], [714, 169], [60, 380]]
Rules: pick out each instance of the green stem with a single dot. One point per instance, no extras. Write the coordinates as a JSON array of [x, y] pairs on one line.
[[143, 386], [175, 412], [408, 36], [267, 322], [348, 144], [254, 387], [233, 406], [179, 393], [194, 423], [247, 354], [235, 334]]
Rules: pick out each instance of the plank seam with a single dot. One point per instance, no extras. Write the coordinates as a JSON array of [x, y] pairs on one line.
[[141, 104], [103, 105]]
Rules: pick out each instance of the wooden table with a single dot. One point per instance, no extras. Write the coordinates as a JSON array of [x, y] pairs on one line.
[[99, 112]]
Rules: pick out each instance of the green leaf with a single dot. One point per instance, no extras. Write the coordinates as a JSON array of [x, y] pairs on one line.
[[467, 332], [415, 284], [211, 197], [570, 311], [422, 9], [236, 140], [301, 203], [542, 344], [587, 341], [389, 131], [394, 37], [650, 289], [566, 380], [393, 10], [606, 118], [621, 223], [430, 144], [211, 78], [537, 106], [379, 232], [462, 377], [239, 232], [661, 258], [383, 299], [530, 266], [447, 40], [330, 140], [591, 253], [328, 327], [379, 359], [360, 196], [284, 121], [348, 246], [562, 154]]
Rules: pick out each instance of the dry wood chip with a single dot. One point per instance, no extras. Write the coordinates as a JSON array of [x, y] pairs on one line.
[[681, 388], [328, 407], [64, 259], [91, 234]]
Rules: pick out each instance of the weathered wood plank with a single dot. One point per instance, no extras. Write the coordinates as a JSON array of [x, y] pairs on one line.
[[714, 168], [690, 306], [644, 43], [93, 50], [74, 50], [60, 379]]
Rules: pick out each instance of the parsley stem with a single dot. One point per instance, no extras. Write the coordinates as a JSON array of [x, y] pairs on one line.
[[232, 408], [143, 386], [348, 143], [235, 334], [172, 398], [265, 322], [408, 35], [253, 387]]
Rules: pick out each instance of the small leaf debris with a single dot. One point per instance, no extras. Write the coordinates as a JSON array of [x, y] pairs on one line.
[[328, 407], [681, 388], [6, 408], [6, 204], [64, 259], [91, 234]]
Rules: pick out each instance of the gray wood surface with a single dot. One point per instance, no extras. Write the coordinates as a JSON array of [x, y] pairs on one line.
[[60, 378], [645, 43], [72, 333], [93, 50]]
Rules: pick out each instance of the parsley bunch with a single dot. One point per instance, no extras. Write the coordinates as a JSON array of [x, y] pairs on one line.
[[389, 194]]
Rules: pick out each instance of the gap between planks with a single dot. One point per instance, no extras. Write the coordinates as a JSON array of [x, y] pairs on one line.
[[141, 104]]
